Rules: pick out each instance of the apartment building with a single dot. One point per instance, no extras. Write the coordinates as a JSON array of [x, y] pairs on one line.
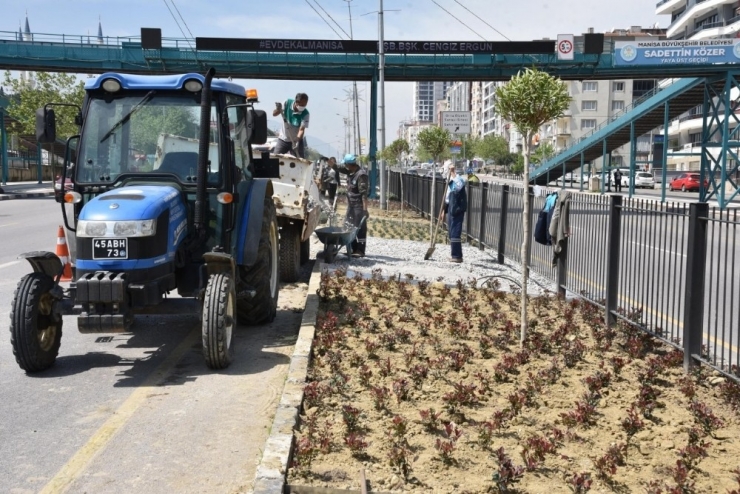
[[426, 96], [593, 103], [701, 19], [409, 131], [696, 20]]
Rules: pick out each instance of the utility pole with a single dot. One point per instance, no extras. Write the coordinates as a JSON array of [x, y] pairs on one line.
[[356, 126], [381, 104]]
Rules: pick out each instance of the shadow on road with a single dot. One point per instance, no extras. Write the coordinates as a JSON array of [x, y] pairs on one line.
[[162, 338]]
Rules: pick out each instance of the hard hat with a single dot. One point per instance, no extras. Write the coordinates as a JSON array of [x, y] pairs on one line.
[[350, 159]]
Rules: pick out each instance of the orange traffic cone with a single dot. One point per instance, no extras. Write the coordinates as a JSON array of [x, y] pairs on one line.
[[62, 253]]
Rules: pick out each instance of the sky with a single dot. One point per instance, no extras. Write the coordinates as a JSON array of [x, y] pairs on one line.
[[417, 20]]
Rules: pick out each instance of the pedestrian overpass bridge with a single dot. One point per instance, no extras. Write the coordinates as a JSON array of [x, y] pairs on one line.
[[707, 81]]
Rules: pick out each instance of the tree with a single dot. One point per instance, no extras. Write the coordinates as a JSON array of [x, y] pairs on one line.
[[435, 141], [544, 152], [49, 88], [395, 151], [155, 120], [530, 99], [517, 163], [469, 148], [496, 148]]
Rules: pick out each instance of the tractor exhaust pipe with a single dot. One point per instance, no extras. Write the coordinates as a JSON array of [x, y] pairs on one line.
[[199, 219]]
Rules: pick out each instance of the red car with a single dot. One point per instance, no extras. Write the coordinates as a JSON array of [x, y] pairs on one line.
[[687, 182]]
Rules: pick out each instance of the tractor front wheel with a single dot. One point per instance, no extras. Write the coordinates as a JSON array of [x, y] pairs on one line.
[[264, 274], [35, 329], [219, 319]]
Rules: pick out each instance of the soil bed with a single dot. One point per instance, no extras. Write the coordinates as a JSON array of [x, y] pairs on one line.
[[427, 388]]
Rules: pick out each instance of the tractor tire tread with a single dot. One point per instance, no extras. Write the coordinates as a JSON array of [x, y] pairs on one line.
[[262, 307], [24, 315], [290, 254], [216, 350]]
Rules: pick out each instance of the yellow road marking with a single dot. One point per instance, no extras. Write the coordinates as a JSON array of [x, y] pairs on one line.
[[77, 464]]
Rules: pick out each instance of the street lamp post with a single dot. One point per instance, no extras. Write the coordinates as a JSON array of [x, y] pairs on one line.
[[381, 104]]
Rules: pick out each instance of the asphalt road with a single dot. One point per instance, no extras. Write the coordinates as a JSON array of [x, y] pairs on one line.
[[138, 411]]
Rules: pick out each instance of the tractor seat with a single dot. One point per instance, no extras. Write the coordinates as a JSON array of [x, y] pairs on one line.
[[184, 164]]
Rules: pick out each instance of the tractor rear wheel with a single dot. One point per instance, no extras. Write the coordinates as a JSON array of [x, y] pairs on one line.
[[263, 274], [219, 320], [290, 253], [35, 330]]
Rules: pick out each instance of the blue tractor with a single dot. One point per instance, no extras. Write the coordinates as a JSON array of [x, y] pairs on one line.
[[167, 197]]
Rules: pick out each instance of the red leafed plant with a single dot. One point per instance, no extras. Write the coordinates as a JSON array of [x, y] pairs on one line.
[[351, 417], [445, 447], [534, 450], [356, 443], [380, 396], [399, 426], [580, 482], [430, 419], [507, 474], [462, 395], [632, 424], [704, 416], [607, 464]]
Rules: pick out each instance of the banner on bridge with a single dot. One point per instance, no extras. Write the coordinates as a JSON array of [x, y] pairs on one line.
[[676, 52]]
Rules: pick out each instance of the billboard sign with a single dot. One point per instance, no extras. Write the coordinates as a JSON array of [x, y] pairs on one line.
[[677, 52], [456, 122]]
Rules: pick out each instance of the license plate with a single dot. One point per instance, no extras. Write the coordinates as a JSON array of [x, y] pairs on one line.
[[110, 248]]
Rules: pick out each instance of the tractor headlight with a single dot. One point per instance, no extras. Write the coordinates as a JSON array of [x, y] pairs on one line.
[[140, 228], [145, 228], [91, 228]]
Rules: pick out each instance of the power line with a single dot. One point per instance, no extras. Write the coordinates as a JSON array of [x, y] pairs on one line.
[[178, 25], [484, 22], [181, 17], [322, 18], [332, 19], [458, 20]]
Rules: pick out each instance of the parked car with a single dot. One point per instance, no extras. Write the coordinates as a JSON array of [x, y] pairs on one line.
[[568, 179], [687, 182], [642, 180]]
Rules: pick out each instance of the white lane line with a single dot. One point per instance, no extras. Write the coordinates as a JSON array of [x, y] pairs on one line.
[[8, 264], [8, 224], [658, 248]]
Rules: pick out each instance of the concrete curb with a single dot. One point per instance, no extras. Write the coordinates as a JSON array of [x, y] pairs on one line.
[[272, 471], [27, 195]]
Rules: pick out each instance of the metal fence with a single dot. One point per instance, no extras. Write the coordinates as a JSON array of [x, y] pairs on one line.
[[669, 268]]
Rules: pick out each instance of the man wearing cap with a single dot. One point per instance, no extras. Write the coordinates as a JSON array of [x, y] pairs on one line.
[[358, 186], [295, 122], [456, 202]]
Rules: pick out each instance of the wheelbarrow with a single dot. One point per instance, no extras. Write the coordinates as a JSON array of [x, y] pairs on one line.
[[336, 237]]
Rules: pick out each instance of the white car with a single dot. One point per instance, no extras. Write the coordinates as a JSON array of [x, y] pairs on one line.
[[642, 180]]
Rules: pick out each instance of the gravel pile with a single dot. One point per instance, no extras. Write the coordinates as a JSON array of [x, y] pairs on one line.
[[404, 257]]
